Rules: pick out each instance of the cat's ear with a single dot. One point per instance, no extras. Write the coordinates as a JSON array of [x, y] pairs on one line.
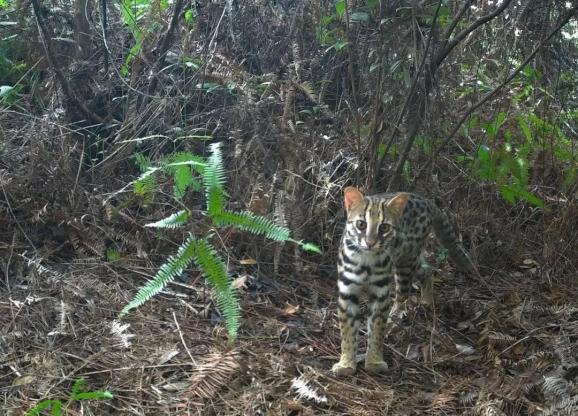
[[397, 203], [351, 196]]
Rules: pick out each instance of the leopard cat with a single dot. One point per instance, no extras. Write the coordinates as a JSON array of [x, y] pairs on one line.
[[382, 245]]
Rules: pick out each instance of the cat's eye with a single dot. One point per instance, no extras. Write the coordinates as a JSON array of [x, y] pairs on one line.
[[362, 225], [384, 228]]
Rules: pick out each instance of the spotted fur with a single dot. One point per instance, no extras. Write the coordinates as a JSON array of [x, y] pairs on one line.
[[381, 249]]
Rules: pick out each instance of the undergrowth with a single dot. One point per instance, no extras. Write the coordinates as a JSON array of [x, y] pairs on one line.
[[199, 250], [77, 394]]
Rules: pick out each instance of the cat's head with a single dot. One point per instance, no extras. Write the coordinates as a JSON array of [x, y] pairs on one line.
[[371, 220]]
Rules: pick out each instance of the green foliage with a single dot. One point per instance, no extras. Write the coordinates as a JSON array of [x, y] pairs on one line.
[[112, 254], [181, 166], [513, 141], [210, 265], [190, 16], [175, 220], [182, 173], [331, 31], [256, 224], [145, 186], [172, 268], [200, 251], [134, 14], [214, 182], [9, 94], [505, 161], [77, 394], [214, 270]]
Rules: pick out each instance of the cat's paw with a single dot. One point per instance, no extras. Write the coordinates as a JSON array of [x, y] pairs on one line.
[[376, 367], [343, 369]]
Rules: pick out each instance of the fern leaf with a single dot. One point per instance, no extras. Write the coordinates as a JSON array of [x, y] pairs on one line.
[[173, 221], [173, 267], [180, 166], [145, 188], [247, 221], [214, 180], [143, 162], [305, 245], [213, 374], [215, 272]]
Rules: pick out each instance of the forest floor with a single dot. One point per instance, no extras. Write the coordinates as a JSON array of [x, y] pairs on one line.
[[502, 344]]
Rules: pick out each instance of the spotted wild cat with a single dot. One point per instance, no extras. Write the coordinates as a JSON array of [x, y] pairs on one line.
[[382, 245]]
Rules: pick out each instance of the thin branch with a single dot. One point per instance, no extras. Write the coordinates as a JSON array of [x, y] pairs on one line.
[[462, 35], [395, 129], [103, 27], [489, 95], [456, 20], [419, 108], [165, 44], [66, 88]]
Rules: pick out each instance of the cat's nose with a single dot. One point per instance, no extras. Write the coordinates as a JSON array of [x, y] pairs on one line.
[[371, 243]]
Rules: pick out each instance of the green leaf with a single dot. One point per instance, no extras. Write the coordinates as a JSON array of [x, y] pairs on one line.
[[530, 198], [181, 167], [309, 247], [214, 180], [484, 153], [190, 16], [339, 45], [172, 268], [214, 270], [406, 174], [92, 395], [54, 405], [340, 7], [175, 220], [525, 129], [78, 386], [247, 221], [112, 255], [508, 193]]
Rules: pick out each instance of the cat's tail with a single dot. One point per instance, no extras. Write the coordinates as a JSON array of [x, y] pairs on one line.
[[446, 233]]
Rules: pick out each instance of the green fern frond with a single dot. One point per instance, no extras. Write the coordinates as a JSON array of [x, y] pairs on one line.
[[196, 162], [214, 270], [247, 221], [172, 268], [182, 172], [173, 221], [145, 187], [142, 161], [214, 181], [210, 265]]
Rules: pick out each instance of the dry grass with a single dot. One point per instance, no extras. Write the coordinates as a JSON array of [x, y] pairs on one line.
[[503, 344]]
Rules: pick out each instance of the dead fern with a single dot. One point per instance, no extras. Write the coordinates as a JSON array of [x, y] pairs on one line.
[[214, 373]]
